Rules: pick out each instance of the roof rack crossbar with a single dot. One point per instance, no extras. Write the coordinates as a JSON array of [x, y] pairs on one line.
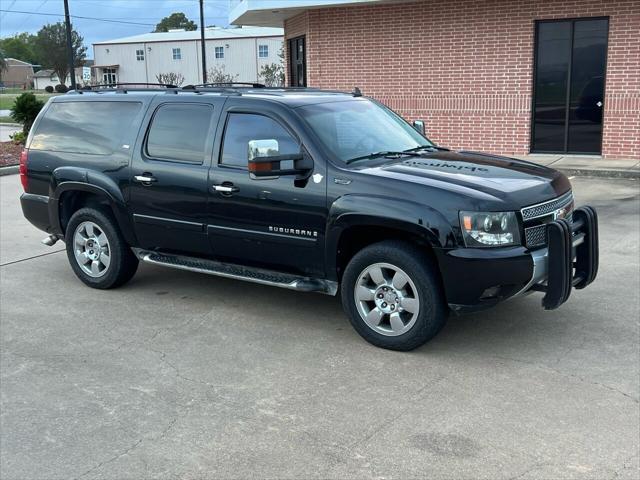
[[228, 84]]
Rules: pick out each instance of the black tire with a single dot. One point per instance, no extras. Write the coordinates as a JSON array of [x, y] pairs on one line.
[[420, 268], [123, 263]]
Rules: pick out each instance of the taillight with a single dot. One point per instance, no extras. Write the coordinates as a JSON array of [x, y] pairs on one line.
[[24, 156]]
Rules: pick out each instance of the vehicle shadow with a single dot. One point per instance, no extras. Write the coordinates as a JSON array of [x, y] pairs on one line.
[[512, 327]]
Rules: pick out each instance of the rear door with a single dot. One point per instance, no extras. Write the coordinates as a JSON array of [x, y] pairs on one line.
[[168, 185], [276, 223]]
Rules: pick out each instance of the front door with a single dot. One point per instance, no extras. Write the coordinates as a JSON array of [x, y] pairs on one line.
[[569, 79], [274, 223], [298, 64], [169, 186]]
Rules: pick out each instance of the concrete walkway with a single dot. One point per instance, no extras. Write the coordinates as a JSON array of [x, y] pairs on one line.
[[588, 165], [7, 129]]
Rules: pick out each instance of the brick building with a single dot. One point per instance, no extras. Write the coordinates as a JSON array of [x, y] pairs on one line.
[[502, 76]]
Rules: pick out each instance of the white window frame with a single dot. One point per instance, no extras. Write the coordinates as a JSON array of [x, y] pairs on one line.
[[176, 53], [109, 75], [263, 51], [140, 54], [218, 53]]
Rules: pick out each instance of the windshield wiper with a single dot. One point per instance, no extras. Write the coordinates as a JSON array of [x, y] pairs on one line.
[[386, 153], [424, 147]]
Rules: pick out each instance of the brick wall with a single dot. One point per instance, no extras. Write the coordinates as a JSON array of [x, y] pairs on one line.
[[466, 66]]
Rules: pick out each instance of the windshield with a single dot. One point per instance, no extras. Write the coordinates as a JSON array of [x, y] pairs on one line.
[[358, 128]]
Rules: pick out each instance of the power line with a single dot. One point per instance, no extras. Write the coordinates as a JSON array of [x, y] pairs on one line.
[[26, 19], [4, 14], [79, 17]]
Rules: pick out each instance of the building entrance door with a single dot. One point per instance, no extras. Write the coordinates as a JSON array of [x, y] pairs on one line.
[[298, 63], [569, 78]]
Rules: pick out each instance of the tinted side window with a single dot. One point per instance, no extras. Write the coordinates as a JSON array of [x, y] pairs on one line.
[[243, 127], [179, 132], [96, 128]]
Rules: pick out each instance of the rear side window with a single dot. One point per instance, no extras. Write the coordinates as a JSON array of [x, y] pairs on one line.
[[243, 127], [95, 128], [178, 132]]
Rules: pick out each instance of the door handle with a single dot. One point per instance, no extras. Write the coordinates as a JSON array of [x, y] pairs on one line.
[[145, 179], [226, 188]]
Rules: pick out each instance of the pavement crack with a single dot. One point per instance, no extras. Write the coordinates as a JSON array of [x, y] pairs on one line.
[[570, 375], [129, 449], [386, 423], [30, 258], [112, 459], [529, 469]]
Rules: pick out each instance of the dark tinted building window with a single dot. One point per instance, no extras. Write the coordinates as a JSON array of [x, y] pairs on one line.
[[96, 128], [179, 132], [243, 127]]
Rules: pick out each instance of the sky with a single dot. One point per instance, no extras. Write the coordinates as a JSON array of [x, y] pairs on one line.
[[146, 12]]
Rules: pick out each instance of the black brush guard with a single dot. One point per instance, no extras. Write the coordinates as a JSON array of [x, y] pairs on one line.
[[573, 256]]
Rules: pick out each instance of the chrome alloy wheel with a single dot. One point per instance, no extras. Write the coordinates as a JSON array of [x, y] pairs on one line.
[[387, 299], [92, 250]]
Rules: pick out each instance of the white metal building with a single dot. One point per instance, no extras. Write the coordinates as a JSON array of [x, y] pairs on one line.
[[138, 59]]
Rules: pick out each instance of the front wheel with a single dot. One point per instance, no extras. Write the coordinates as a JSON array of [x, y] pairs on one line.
[[98, 254], [392, 295]]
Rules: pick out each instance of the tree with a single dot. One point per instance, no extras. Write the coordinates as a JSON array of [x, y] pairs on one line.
[[218, 74], [25, 110], [175, 20], [51, 44], [3, 64], [272, 74], [21, 47], [170, 78]]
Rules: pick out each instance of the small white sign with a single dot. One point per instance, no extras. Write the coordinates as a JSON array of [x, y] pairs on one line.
[[86, 74]]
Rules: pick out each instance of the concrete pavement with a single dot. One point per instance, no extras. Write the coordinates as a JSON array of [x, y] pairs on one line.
[[180, 375], [588, 165]]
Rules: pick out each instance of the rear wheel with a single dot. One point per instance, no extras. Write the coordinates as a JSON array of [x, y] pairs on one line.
[[392, 294], [98, 254]]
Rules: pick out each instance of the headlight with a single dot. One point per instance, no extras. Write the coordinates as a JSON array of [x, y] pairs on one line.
[[490, 229]]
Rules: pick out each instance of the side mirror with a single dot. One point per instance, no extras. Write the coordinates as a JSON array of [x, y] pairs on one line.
[[419, 126], [264, 160]]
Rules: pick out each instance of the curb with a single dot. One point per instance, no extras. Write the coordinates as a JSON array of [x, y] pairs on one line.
[[588, 172], [10, 170]]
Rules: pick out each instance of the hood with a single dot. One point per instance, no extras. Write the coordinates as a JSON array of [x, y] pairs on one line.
[[486, 177]]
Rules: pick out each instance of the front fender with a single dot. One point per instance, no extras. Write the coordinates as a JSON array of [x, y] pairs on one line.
[[374, 210], [65, 179]]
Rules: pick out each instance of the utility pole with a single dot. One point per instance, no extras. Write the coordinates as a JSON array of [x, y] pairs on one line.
[[204, 50], [72, 71]]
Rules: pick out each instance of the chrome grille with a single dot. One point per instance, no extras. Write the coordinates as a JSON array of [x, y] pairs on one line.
[[536, 236], [537, 216], [546, 208]]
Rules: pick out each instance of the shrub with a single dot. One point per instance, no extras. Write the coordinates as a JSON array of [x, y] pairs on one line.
[[170, 78], [61, 88], [18, 138], [25, 110], [218, 74], [272, 75], [48, 89]]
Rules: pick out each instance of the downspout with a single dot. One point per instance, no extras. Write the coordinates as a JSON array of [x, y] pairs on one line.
[[255, 52], [146, 68]]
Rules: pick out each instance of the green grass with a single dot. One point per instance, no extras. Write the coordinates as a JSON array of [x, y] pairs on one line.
[[7, 99], [7, 120]]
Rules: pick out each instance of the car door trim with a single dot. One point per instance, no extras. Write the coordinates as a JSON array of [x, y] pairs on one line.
[[168, 222], [258, 235]]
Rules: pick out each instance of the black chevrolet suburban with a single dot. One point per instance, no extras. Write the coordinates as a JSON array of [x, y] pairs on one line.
[[311, 190]]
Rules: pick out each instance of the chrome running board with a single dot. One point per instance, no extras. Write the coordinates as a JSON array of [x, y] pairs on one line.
[[238, 272]]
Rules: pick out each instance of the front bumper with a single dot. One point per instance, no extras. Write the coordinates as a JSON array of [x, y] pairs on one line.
[[476, 279], [573, 257]]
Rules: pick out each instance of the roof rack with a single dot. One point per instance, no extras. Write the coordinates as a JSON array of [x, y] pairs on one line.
[[224, 84], [124, 86]]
